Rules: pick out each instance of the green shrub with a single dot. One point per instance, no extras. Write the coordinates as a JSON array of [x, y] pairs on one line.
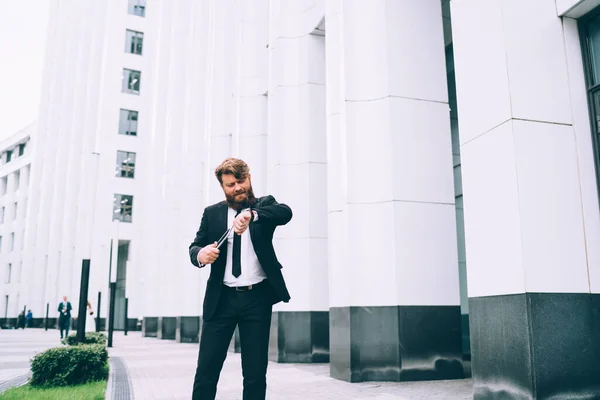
[[71, 365], [90, 338]]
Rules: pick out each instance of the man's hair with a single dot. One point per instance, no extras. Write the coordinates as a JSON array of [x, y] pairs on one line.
[[233, 166]]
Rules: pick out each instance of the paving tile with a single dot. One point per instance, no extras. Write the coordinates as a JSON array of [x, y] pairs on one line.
[[163, 369]]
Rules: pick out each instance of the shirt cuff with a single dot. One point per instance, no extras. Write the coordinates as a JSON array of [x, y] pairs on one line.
[[254, 214]]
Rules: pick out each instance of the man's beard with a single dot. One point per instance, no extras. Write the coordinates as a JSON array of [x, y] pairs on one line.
[[248, 201]]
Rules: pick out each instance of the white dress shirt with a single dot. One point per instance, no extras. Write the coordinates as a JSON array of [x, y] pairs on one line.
[[252, 272]]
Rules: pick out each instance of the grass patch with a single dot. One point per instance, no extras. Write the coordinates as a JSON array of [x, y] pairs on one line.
[[88, 391]]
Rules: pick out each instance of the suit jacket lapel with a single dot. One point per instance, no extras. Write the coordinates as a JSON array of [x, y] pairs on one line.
[[223, 210], [222, 219], [252, 227]]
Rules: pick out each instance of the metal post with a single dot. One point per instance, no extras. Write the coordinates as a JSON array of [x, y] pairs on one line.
[[24, 316], [126, 307], [47, 311], [111, 313], [83, 300], [98, 312]]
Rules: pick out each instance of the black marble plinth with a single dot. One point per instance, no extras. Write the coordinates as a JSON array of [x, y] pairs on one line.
[[536, 346], [395, 343], [167, 328], [150, 327], [299, 337], [41, 323], [52, 323], [132, 325], [8, 323], [188, 329]]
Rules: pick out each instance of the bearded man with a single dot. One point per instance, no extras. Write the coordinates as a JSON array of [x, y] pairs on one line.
[[245, 280]]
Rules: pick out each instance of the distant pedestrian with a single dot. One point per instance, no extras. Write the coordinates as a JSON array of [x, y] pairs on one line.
[[64, 318], [90, 324], [21, 320], [28, 318]]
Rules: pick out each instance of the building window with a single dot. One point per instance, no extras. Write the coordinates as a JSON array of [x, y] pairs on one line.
[[122, 207], [12, 241], [17, 179], [590, 38], [21, 149], [3, 185], [128, 122], [133, 42], [0, 244], [8, 156], [8, 273], [2, 210], [16, 209], [125, 164], [131, 81], [137, 7]]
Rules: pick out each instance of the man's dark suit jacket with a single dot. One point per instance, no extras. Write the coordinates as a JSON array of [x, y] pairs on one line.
[[69, 308], [214, 223]]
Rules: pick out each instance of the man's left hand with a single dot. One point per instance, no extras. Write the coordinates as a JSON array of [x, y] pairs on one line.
[[241, 222]]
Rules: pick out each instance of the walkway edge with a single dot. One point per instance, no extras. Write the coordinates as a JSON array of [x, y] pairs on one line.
[[18, 380], [118, 386]]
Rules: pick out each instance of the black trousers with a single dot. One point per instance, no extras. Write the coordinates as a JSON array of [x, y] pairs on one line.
[[251, 311], [64, 325]]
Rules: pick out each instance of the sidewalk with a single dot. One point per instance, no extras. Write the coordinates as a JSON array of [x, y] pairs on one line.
[[17, 347], [164, 369]]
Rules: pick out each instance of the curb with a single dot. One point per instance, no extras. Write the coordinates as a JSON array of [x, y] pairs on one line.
[[17, 381]]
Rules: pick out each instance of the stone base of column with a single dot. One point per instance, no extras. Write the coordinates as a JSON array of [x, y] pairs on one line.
[[150, 327], [188, 329], [131, 324], [167, 327], [536, 346], [395, 343], [299, 337]]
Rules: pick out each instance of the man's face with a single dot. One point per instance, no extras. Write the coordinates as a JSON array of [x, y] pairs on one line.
[[238, 192], [64, 298]]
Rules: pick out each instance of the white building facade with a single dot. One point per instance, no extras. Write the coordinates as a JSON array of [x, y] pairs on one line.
[[84, 175], [371, 120], [15, 167]]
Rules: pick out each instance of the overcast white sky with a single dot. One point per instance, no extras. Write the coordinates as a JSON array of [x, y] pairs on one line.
[[22, 41]]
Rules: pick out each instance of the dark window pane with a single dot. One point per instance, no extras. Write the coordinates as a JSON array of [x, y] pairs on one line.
[[128, 122], [125, 167], [593, 40], [133, 42], [131, 81], [137, 7], [122, 207]]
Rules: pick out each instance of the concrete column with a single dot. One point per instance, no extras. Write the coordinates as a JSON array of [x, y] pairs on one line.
[[394, 291], [220, 86], [530, 201], [300, 328], [251, 89]]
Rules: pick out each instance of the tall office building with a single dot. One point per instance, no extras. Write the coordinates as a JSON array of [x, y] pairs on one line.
[[438, 156], [85, 179], [15, 169]]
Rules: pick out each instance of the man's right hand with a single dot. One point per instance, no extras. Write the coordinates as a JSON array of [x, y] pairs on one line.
[[208, 254]]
